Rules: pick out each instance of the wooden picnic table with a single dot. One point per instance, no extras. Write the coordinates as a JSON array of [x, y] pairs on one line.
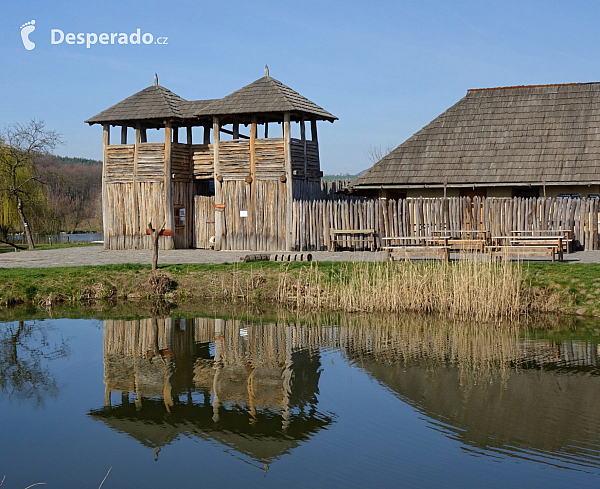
[[528, 245], [337, 234], [421, 246], [565, 233]]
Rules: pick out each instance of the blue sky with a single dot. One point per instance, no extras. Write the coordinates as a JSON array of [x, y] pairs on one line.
[[384, 68]]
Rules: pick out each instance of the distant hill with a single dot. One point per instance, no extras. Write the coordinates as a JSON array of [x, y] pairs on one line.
[[69, 160]]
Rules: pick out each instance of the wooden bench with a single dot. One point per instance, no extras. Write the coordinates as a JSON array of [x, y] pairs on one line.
[[524, 251], [410, 247], [353, 236], [411, 252], [567, 240]]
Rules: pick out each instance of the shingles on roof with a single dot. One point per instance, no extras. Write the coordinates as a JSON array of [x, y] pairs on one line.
[[529, 134], [265, 95], [154, 102]]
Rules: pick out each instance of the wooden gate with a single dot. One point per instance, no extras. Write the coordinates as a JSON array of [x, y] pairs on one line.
[[204, 221]]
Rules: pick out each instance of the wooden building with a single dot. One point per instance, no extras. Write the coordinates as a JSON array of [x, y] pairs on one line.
[[526, 141], [239, 191]]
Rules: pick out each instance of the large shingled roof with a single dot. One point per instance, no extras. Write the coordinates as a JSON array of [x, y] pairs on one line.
[[154, 102], [264, 96], [501, 136]]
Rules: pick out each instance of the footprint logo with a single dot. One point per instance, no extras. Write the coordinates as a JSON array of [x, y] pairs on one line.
[[27, 29]]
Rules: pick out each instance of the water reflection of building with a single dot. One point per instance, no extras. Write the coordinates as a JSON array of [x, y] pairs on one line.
[[253, 387], [243, 385], [490, 389]]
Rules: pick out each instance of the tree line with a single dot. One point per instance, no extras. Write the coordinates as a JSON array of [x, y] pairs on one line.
[[41, 193]]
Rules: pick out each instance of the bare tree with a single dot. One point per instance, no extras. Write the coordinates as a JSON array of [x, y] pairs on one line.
[[20, 145], [375, 153]]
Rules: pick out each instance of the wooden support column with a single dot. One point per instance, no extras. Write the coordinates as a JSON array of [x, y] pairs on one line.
[[123, 134], [143, 136], [105, 144], [252, 215], [175, 134], [266, 130], [206, 134], [315, 139], [303, 139], [236, 130], [169, 216], [134, 186], [287, 156], [189, 134], [219, 211]]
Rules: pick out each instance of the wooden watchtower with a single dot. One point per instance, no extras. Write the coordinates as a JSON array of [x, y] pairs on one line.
[[235, 187]]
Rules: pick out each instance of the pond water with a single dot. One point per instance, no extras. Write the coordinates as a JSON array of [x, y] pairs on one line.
[[343, 402]]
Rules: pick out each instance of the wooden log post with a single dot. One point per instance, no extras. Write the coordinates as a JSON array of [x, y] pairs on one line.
[[168, 206], [252, 215], [188, 131], [219, 211], [266, 130], [105, 144], [304, 155], [315, 139], [144, 136], [123, 134], [175, 134], [134, 186], [236, 130], [287, 156], [206, 131]]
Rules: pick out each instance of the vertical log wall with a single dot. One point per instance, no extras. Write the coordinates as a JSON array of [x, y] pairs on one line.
[[313, 220]]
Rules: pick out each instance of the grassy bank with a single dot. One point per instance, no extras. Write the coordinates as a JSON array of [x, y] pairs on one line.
[[460, 290]]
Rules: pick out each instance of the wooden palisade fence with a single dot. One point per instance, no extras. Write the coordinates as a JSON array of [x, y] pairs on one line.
[[313, 220]]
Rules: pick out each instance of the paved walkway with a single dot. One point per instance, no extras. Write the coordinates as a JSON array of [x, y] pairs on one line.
[[95, 255]]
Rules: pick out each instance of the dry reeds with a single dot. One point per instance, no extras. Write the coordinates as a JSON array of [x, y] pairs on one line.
[[466, 289]]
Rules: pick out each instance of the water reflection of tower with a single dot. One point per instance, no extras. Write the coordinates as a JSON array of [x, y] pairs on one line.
[[247, 386]]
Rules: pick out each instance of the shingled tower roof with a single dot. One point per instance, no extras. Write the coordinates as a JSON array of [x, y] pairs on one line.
[[154, 102], [501, 136], [265, 96]]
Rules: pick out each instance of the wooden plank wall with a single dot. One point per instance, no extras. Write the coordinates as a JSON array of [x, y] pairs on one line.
[[262, 230], [203, 160], [313, 167], [312, 220], [204, 221], [122, 193]]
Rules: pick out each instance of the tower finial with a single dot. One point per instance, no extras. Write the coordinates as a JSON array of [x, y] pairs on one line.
[[266, 70], [155, 79]]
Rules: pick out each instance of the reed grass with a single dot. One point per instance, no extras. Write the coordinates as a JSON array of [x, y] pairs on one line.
[[465, 289]]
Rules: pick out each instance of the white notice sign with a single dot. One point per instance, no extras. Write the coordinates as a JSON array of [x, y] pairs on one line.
[[243, 213]]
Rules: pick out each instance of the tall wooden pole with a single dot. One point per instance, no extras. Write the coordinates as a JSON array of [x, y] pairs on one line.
[[169, 216], [253, 223], [134, 186], [105, 143], [206, 128], [189, 134], [123, 134], [219, 211], [315, 139], [287, 156], [304, 155]]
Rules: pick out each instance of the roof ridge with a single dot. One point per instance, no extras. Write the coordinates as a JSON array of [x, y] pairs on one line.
[[528, 86], [279, 86], [174, 107]]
